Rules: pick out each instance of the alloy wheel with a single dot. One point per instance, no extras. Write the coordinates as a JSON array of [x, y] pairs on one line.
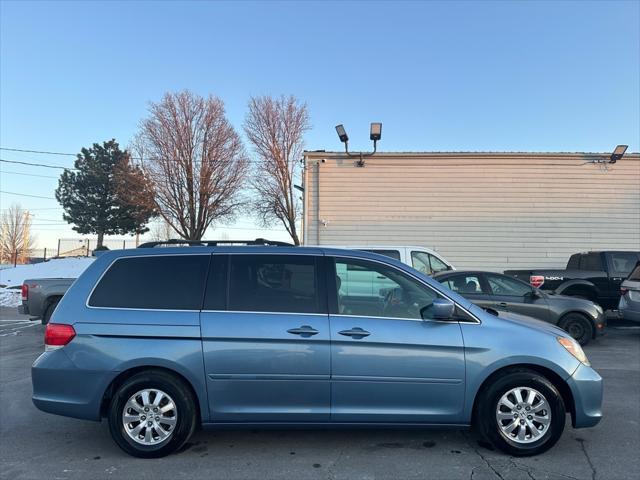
[[149, 416], [523, 415]]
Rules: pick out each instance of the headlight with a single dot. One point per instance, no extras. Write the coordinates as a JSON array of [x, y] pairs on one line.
[[574, 349]]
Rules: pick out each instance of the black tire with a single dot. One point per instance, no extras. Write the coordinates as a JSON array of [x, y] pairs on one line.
[[578, 326], [185, 408], [488, 404], [49, 311]]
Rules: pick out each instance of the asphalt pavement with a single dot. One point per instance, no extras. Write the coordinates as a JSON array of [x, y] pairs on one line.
[[35, 445]]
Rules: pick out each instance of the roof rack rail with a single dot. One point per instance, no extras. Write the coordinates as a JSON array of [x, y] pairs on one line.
[[214, 243]]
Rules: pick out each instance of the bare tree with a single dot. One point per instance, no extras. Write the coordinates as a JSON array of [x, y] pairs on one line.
[[194, 160], [275, 128], [16, 241], [161, 231]]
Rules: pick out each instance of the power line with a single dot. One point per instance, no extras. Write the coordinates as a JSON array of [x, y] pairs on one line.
[[37, 151], [27, 174], [36, 164], [26, 195], [44, 152]]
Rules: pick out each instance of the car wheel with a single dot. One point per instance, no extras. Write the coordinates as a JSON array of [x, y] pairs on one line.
[[578, 326], [152, 414], [521, 413], [49, 311]]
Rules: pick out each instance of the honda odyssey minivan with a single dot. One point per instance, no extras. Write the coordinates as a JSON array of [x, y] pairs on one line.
[[160, 340]]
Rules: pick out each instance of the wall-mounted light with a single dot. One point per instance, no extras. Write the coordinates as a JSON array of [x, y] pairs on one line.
[[342, 133], [375, 134], [618, 153]]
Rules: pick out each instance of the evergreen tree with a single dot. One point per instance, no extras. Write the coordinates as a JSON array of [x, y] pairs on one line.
[[106, 194]]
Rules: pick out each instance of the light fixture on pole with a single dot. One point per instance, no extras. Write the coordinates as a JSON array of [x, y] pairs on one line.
[[375, 134]]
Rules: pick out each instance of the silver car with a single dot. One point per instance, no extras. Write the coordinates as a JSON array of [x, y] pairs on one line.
[[629, 306]]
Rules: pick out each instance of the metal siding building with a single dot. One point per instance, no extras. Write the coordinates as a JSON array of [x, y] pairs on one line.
[[480, 210]]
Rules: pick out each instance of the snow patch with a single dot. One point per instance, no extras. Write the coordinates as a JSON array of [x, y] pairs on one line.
[[54, 268], [10, 297]]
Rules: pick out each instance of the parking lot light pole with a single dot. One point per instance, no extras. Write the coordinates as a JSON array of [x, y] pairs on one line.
[[375, 134]]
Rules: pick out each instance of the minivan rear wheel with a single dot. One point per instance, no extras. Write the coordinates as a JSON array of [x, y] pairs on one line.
[[521, 413], [152, 414]]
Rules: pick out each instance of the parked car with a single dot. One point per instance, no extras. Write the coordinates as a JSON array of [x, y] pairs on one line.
[[629, 306], [422, 259], [595, 276], [158, 340], [40, 296], [582, 319]]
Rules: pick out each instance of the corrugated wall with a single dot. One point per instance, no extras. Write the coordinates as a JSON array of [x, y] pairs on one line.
[[490, 211]]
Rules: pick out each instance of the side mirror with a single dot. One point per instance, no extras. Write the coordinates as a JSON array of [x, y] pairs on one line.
[[440, 309]]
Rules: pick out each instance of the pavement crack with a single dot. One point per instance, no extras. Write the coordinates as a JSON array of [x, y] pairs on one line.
[[586, 454], [330, 473], [484, 459]]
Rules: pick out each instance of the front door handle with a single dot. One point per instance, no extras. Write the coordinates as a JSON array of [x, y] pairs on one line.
[[355, 332], [304, 331]]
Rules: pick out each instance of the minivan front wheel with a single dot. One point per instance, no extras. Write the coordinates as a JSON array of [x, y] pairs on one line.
[[152, 414], [521, 413]]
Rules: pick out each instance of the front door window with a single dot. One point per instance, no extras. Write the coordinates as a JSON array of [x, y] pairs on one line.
[[373, 289]]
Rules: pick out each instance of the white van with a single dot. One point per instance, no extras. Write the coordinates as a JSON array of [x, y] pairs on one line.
[[422, 259]]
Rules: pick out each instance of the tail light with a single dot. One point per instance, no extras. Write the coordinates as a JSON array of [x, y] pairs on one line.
[[623, 291], [536, 281], [57, 335], [24, 291]]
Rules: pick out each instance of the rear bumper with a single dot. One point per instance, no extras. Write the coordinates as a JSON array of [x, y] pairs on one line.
[[61, 388], [586, 388], [629, 309], [23, 309]]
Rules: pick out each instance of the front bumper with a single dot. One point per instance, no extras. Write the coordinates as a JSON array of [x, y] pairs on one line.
[[586, 388], [601, 324]]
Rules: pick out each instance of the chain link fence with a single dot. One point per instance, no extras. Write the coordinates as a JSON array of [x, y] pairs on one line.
[[77, 247]]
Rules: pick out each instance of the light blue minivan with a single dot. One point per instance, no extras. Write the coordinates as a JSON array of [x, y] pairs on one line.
[[160, 340]]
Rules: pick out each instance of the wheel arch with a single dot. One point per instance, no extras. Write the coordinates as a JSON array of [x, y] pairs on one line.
[[130, 372], [576, 287], [561, 385]]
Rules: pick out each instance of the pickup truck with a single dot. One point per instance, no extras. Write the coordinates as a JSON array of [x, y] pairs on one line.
[[595, 276], [40, 296]]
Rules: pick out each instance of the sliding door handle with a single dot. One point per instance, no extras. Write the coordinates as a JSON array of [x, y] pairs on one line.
[[303, 331], [355, 332]]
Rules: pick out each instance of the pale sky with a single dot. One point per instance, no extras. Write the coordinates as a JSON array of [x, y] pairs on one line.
[[441, 76]]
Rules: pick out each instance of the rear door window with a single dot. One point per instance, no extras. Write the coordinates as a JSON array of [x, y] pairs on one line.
[[464, 284], [507, 286], [592, 262], [275, 283], [163, 282]]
